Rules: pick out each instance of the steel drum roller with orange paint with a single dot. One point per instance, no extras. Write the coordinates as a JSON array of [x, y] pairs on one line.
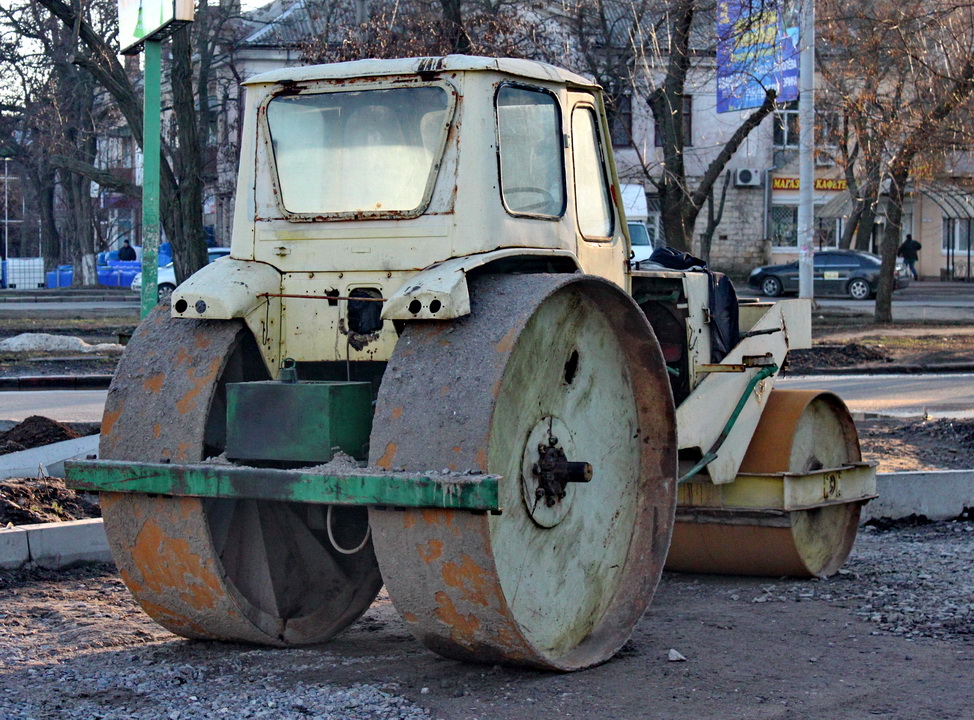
[[236, 570], [799, 431]]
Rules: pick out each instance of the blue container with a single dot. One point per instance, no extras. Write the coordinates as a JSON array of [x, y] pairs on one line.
[[61, 276]]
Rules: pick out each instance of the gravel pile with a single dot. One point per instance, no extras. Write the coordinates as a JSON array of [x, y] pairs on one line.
[[141, 686], [913, 582]]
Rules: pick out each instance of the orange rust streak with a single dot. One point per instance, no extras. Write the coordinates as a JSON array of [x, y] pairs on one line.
[[506, 343], [410, 617], [385, 462], [475, 584], [154, 383], [200, 383], [431, 551], [409, 519], [168, 565], [110, 418], [156, 431], [462, 627], [173, 621], [396, 413], [481, 459]]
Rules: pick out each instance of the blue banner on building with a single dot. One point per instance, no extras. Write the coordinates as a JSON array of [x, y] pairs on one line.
[[757, 49]]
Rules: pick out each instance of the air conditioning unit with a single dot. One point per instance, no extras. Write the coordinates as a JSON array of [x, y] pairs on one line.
[[747, 177]]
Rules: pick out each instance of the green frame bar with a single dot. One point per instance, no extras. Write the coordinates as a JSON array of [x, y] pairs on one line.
[[468, 492]]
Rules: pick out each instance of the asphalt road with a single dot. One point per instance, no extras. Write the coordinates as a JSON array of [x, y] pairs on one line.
[[61, 405], [941, 396]]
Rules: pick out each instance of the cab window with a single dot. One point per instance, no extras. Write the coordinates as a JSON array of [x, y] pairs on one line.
[[530, 152], [592, 201]]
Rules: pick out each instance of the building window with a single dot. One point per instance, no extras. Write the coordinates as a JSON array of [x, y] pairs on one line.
[[786, 126], [828, 133], [620, 115], [957, 235], [687, 113], [784, 225]]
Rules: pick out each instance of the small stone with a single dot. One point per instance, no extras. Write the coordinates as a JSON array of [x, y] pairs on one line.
[[676, 656]]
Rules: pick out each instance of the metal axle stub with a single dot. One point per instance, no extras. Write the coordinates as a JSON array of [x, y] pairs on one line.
[[547, 474]]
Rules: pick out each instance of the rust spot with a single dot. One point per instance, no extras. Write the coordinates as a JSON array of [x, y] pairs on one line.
[[168, 565], [506, 343], [473, 582], [480, 458], [495, 391], [200, 383], [156, 431], [154, 383], [109, 419], [173, 621], [182, 452], [457, 448], [444, 390], [385, 462], [396, 413], [462, 627], [410, 617], [409, 519], [431, 551]]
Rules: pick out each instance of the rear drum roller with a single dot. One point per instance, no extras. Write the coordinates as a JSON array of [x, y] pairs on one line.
[[547, 374], [236, 570], [800, 431]]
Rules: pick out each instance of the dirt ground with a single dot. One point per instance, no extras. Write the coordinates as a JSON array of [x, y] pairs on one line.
[[761, 649]]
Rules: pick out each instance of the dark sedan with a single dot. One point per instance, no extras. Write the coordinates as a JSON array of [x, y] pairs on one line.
[[836, 272]]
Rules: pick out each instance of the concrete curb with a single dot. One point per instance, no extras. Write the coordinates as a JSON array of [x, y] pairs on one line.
[[47, 459], [56, 382], [54, 545], [938, 495]]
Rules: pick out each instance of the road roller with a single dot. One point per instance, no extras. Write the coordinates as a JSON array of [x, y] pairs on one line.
[[428, 363]]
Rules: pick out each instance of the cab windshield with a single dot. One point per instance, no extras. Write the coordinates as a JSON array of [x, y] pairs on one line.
[[364, 152]]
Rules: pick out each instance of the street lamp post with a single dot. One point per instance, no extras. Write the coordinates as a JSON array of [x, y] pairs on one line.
[[6, 213]]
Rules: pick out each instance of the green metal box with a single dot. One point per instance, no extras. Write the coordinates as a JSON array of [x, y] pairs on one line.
[[298, 422]]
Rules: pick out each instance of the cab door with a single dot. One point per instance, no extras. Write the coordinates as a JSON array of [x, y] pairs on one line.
[[602, 248]]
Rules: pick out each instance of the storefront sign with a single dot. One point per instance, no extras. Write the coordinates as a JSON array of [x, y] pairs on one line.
[[821, 184]]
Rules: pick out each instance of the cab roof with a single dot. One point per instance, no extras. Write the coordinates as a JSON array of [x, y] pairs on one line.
[[411, 66]]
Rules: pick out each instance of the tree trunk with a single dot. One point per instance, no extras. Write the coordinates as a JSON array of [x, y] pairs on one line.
[[186, 234], [713, 219], [891, 241]]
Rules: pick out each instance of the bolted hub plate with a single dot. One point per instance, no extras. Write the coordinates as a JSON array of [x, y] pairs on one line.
[[545, 510]]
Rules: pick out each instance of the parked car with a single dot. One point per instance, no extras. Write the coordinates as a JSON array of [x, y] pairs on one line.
[[642, 245], [835, 272], [167, 274]]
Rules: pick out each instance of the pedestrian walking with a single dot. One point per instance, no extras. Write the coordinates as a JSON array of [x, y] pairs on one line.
[[908, 251]]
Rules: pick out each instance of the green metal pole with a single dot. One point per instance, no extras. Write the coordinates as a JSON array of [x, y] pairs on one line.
[[152, 133]]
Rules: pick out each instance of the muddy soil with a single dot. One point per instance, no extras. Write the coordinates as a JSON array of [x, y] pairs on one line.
[[871, 347]]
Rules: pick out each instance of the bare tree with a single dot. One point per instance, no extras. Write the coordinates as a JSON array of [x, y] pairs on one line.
[[900, 73], [184, 162]]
